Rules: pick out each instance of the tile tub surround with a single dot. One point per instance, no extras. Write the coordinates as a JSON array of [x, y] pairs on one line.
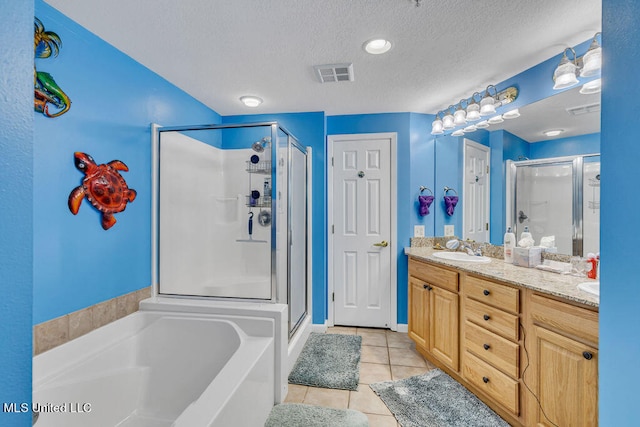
[[58, 331], [560, 285]]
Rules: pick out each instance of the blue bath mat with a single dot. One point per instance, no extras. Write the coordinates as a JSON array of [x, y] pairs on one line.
[[298, 414], [329, 361], [435, 399]]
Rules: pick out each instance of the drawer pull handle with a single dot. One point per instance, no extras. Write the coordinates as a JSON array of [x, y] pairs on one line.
[[587, 355], [485, 379], [486, 292], [486, 317], [429, 288], [486, 346], [425, 286]]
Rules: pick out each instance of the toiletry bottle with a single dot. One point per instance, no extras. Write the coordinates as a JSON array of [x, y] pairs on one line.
[[592, 273], [267, 189], [526, 234], [509, 244]]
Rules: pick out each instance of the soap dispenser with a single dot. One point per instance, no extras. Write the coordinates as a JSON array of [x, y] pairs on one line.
[[509, 245]]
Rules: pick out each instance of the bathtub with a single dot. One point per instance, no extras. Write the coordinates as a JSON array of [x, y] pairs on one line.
[[158, 368], [287, 349]]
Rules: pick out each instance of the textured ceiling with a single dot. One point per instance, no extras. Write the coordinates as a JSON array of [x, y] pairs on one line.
[[219, 50], [551, 113]]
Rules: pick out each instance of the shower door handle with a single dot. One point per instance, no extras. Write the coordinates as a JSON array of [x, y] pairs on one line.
[[383, 244]]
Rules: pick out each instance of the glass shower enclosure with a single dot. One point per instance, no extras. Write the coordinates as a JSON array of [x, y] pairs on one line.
[[557, 197], [231, 214]]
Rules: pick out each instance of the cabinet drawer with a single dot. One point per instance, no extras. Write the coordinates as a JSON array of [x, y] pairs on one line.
[[492, 318], [557, 315], [492, 382], [434, 275], [495, 294], [497, 351]]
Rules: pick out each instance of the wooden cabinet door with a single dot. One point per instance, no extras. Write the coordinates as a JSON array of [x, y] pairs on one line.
[[443, 326], [567, 376], [418, 312]]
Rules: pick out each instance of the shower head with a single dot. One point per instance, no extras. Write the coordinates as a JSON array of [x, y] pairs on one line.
[[259, 146]]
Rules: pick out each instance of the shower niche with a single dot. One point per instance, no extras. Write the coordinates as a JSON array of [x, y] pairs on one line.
[[231, 214]]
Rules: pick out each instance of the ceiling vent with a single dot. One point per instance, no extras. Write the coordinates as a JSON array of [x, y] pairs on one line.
[[334, 72], [584, 109]]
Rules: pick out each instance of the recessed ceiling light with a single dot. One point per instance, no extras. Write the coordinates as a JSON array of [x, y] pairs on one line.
[[251, 101], [377, 46], [553, 132]]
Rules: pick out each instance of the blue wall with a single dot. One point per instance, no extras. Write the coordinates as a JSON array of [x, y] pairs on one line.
[[448, 170], [620, 293], [16, 185], [114, 100], [422, 171], [401, 123], [309, 129], [571, 146]]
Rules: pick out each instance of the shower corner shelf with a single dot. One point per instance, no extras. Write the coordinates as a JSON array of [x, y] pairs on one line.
[[261, 202], [593, 205], [263, 167], [594, 182]]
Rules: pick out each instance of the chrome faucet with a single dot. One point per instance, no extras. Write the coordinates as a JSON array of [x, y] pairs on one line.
[[466, 246], [455, 244]]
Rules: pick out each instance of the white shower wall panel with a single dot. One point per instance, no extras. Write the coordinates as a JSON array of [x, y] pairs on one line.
[[205, 186], [549, 204]]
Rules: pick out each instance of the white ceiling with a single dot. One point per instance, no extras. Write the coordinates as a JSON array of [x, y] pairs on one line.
[[551, 113], [444, 50]]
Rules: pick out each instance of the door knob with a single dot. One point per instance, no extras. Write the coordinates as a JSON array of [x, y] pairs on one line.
[[383, 244]]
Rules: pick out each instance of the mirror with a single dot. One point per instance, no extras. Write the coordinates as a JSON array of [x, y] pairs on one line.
[[578, 115]]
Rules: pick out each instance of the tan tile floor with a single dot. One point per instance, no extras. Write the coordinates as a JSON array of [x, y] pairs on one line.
[[386, 355]]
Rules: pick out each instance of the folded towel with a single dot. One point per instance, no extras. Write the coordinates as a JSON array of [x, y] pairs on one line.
[[425, 203], [450, 203]]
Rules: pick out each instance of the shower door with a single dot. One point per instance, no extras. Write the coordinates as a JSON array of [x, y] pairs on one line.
[[297, 289]]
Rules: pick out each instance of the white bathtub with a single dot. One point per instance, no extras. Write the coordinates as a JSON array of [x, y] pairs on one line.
[[155, 368]]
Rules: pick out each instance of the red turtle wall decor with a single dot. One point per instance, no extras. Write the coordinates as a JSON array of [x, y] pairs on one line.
[[103, 186]]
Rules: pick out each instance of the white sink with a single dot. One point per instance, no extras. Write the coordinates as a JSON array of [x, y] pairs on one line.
[[591, 287], [461, 256]]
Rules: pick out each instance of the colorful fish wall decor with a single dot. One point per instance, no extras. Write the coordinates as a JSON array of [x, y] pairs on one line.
[[45, 45], [103, 186]]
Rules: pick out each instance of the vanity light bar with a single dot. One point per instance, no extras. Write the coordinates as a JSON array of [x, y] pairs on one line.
[[470, 110]]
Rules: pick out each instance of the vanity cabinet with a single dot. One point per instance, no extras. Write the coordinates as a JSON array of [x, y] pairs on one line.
[[564, 363], [491, 348], [434, 312], [530, 356]]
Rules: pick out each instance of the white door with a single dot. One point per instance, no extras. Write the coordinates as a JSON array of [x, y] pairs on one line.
[[475, 223], [362, 231]]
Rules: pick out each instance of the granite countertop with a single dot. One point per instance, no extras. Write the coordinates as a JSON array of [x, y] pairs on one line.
[[560, 285]]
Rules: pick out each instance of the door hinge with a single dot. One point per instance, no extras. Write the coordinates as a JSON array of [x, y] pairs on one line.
[[333, 296], [487, 168], [332, 161], [486, 226], [333, 229]]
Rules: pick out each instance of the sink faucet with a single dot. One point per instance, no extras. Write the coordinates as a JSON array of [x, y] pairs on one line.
[[466, 246], [455, 244]]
